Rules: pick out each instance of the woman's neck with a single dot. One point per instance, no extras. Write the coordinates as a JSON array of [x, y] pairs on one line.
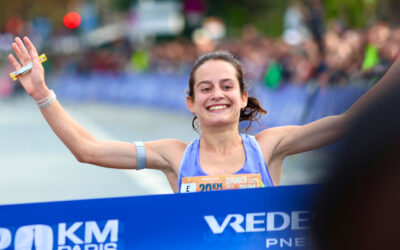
[[220, 140]]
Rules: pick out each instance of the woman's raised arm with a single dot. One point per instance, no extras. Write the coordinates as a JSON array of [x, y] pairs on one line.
[[296, 139], [79, 141]]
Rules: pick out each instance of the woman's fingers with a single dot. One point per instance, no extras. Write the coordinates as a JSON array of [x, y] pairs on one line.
[[14, 62], [16, 50], [23, 54], [32, 51], [31, 47]]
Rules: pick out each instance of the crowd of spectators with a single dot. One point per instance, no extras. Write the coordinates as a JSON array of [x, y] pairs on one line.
[[347, 56], [343, 56]]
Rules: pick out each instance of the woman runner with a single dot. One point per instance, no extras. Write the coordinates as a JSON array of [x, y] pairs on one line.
[[221, 158]]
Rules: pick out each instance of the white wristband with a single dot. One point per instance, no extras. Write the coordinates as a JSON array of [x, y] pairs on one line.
[[45, 102]]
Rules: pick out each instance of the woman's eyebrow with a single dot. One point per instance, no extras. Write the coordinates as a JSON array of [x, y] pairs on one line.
[[225, 80], [209, 82], [203, 82]]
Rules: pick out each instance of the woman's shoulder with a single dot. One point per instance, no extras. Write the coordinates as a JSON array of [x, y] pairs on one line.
[[166, 152], [276, 140], [270, 134], [271, 138]]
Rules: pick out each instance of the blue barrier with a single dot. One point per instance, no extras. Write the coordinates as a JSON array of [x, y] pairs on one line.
[[262, 218], [284, 106], [289, 105], [161, 91], [333, 101]]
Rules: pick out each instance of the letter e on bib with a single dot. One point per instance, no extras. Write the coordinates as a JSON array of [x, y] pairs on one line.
[[188, 187]]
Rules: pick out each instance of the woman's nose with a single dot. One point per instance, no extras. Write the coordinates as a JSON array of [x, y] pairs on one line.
[[218, 94]]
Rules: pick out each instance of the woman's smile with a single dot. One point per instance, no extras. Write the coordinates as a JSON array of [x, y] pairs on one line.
[[218, 107]]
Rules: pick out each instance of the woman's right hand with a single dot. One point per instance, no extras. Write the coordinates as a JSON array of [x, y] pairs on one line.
[[33, 81]]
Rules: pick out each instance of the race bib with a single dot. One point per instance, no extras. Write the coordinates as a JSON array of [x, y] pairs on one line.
[[220, 182]]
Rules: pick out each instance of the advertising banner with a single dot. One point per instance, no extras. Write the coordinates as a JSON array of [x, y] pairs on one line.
[[260, 218]]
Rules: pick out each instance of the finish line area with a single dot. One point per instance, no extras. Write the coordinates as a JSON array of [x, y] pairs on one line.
[[37, 167], [261, 218], [59, 203]]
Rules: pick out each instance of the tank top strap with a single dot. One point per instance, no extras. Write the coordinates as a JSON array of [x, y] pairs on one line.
[[188, 166], [255, 159]]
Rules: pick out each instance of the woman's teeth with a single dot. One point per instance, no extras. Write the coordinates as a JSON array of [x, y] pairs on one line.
[[219, 107]]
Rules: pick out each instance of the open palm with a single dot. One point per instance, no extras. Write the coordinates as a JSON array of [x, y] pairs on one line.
[[33, 80]]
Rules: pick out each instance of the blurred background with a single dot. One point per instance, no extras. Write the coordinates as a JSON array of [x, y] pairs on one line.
[[121, 69]]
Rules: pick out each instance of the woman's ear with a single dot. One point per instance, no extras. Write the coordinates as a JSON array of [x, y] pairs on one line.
[[244, 97], [190, 104]]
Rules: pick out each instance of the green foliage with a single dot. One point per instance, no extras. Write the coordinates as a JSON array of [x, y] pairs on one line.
[[122, 5], [355, 13], [267, 16]]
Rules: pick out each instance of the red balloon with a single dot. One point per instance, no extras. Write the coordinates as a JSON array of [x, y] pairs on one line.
[[72, 20]]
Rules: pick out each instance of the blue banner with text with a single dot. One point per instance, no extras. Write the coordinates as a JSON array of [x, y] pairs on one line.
[[261, 218]]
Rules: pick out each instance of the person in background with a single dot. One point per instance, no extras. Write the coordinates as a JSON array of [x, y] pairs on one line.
[[358, 204]]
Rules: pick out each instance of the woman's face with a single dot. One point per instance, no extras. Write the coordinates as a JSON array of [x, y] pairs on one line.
[[217, 99]]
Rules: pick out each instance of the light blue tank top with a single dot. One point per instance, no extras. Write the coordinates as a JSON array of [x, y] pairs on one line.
[[254, 163]]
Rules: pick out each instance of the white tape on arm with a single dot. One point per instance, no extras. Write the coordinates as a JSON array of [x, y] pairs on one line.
[[140, 155]]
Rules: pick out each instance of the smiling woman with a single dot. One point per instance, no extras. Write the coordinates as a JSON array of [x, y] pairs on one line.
[[223, 63], [218, 99], [221, 158]]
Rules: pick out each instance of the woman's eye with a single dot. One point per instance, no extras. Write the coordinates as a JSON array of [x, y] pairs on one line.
[[227, 87], [205, 89]]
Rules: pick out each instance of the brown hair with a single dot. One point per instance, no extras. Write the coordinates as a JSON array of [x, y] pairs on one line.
[[253, 110]]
